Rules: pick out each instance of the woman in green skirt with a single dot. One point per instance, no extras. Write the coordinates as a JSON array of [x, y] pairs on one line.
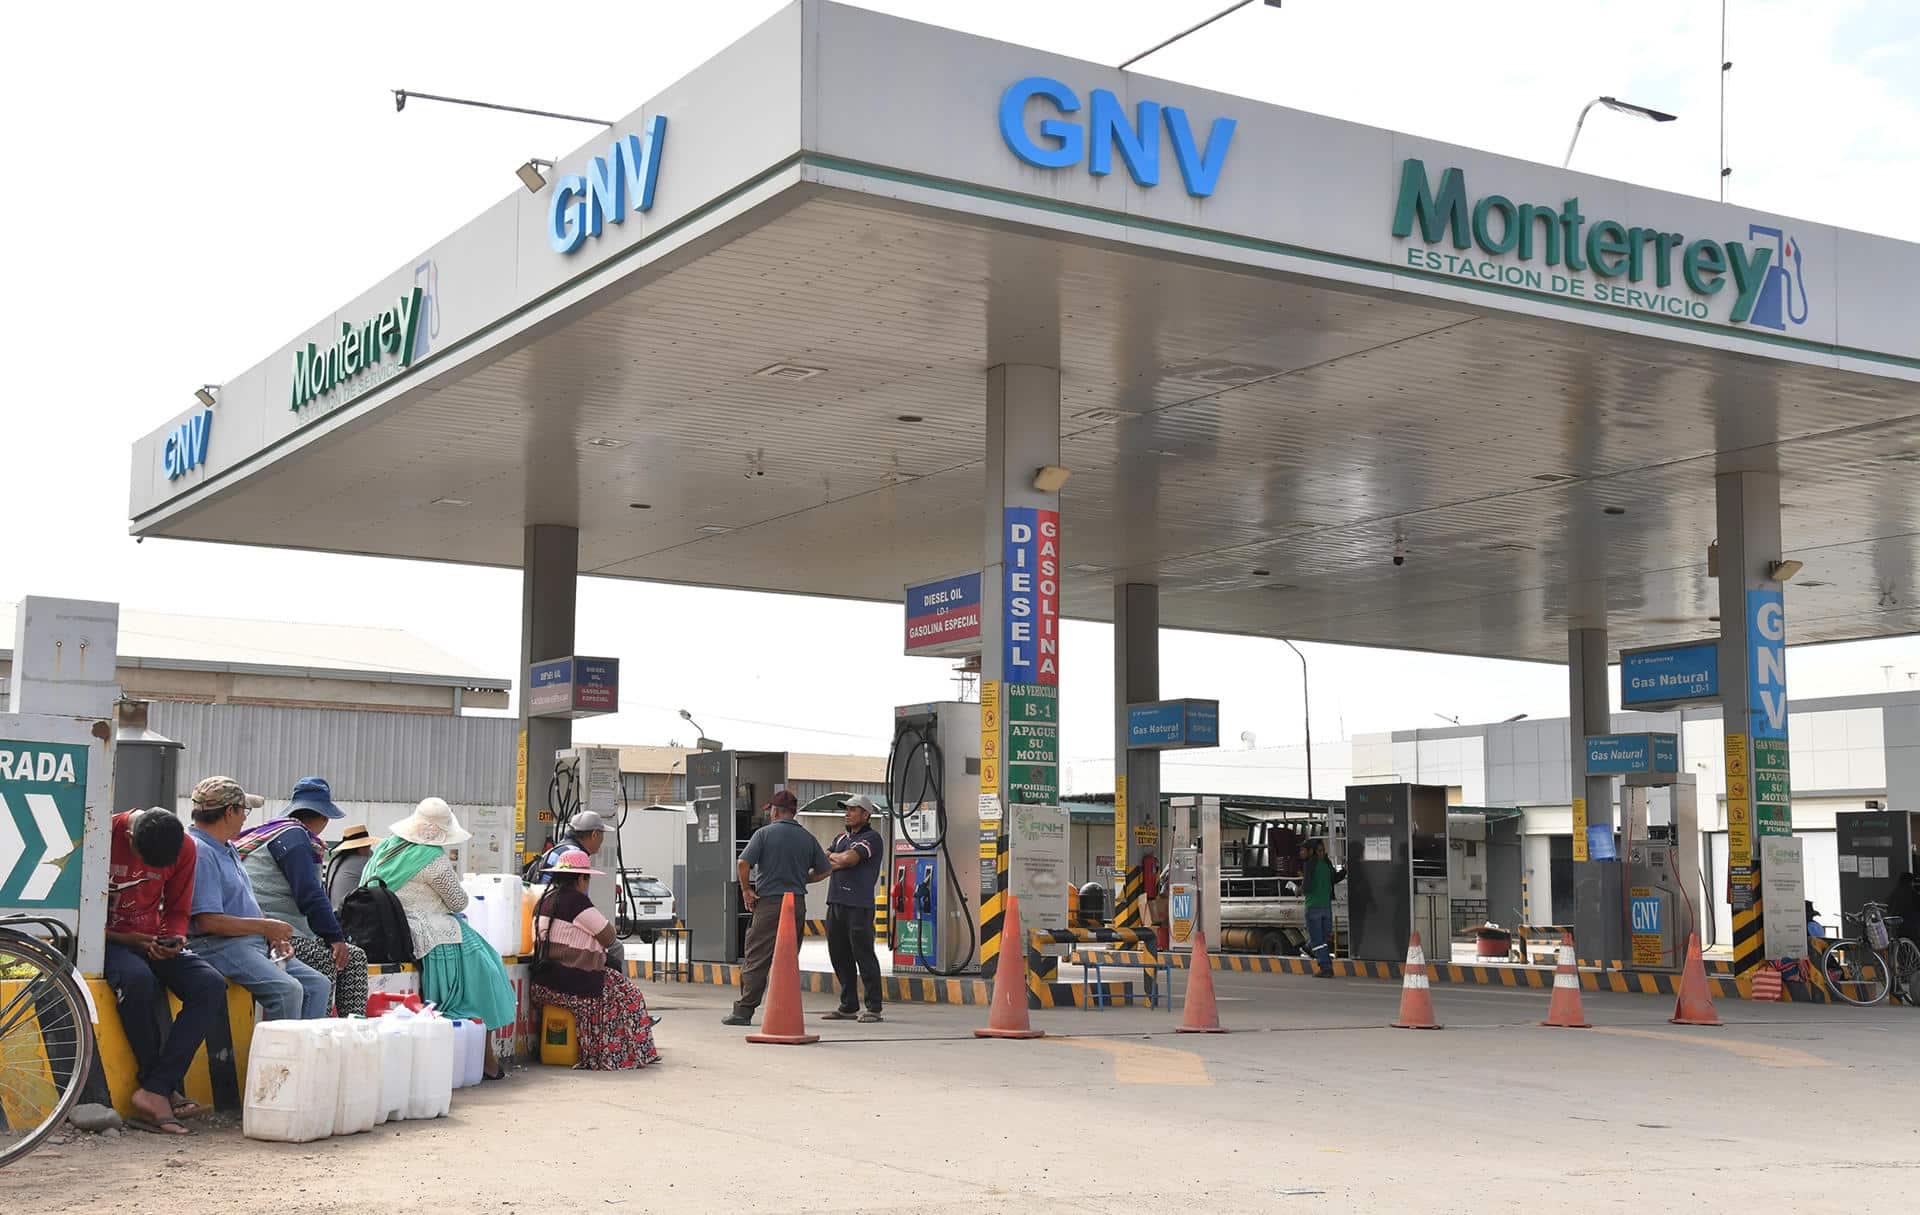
[[461, 975]]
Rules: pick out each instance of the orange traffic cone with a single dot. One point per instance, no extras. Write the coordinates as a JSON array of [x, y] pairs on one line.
[[784, 1024], [1695, 1005], [1416, 997], [1007, 1017], [1565, 1010], [1201, 1015]]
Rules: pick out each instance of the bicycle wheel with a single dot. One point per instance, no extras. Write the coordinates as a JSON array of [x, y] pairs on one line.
[[1855, 973], [1906, 971], [46, 1044]]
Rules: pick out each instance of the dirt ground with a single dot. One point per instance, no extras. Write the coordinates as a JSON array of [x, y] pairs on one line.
[[1313, 1104]]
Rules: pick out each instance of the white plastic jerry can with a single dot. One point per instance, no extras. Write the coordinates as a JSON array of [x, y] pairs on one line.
[[395, 1032], [293, 1081], [431, 1093], [357, 1107]]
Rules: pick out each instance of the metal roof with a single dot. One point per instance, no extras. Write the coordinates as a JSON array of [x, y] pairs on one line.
[[164, 641], [1231, 403]]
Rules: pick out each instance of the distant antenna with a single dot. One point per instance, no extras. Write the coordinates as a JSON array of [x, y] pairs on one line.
[[1726, 65]]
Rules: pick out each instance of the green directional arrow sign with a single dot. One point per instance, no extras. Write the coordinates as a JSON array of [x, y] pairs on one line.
[[43, 799]]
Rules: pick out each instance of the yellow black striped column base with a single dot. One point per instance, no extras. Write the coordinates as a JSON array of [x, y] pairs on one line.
[[896, 989]]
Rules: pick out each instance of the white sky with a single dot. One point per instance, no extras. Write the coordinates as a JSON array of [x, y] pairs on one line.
[[187, 187]]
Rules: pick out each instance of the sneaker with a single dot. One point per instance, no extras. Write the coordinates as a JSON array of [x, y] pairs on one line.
[[838, 1014], [736, 1019], [868, 1018]]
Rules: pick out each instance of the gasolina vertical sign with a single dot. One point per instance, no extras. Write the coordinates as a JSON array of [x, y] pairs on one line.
[[43, 799], [1032, 656]]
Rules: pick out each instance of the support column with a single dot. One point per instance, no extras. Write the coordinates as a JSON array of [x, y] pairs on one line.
[[549, 579], [1136, 774], [1753, 693], [1019, 619], [1599, 932]]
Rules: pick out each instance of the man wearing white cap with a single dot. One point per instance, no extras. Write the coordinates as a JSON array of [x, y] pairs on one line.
[[856, 856]]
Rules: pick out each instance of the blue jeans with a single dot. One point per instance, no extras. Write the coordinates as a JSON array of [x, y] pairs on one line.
[[297, 993], [1319, 932], [164, 1051]]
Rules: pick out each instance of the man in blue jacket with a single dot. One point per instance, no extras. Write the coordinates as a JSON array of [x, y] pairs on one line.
[[285, 860]]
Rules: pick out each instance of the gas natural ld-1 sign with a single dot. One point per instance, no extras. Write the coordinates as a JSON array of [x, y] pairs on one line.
[[1557, 250]]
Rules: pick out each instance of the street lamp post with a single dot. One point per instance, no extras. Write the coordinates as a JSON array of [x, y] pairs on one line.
[[1306, 706], [1619, 107], [1161, 46]]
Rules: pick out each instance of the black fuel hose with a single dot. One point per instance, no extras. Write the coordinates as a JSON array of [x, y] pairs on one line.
[[932, 790]]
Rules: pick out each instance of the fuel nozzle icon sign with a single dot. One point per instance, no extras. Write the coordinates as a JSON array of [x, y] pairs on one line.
[[1783, 296]]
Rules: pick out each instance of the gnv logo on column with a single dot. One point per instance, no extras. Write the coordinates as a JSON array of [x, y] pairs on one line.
[[1062, 144], [1766, 664]]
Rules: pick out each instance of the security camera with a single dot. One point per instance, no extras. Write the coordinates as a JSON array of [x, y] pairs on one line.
[[1400, 550]]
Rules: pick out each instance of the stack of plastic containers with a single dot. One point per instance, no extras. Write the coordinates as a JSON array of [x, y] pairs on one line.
[[307, 1080], [494, 909]]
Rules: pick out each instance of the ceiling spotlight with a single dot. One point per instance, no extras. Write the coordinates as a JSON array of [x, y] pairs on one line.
[[450, 502], [1784, 569], [205, 394], [909, 418], [1613, 510], [1262, 573], [530, 175], [1048, 478], [606, 444], [640, 505]]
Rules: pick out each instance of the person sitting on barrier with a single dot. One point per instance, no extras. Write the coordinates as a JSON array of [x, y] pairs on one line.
[[570, 939], [586, 832], [149, 893], [282, 859], [349, 861], [461, 975], [1318, 877], [229, 930]]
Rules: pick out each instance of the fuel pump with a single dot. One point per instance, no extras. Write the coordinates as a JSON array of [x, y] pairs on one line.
[[933, 794]]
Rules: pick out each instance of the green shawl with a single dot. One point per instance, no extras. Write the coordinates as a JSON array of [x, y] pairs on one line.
[[395, 861]]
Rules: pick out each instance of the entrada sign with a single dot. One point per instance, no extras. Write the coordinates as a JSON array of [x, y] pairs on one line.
[[1606, 249], [582, 204], [317, 372], [186, 447], [1061, 144]]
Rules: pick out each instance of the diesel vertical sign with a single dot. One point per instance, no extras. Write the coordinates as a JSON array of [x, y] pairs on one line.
[[1032, 656]]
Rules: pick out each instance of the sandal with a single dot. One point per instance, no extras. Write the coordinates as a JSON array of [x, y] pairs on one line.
[[185, 1106], [161, 1126]]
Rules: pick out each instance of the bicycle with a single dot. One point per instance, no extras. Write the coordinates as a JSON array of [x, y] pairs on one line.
[[46, 1033], [1864, 970]]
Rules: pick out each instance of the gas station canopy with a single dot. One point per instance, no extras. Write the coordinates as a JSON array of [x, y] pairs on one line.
[[1291, 349]]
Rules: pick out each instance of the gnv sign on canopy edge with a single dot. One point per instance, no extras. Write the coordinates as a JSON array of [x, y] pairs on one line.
[[582, 204], [186, 447], [1059, 144]]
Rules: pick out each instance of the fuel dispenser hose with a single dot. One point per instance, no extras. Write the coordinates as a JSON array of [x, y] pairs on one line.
[[933, 771]]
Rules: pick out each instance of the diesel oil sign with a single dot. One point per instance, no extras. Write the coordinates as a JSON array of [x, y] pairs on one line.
[[1556, 249]]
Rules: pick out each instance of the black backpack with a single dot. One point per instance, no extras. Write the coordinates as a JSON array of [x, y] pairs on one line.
[[373, 919]]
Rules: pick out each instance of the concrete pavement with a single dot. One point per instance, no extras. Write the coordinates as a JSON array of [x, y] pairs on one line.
[[1312, 1105]]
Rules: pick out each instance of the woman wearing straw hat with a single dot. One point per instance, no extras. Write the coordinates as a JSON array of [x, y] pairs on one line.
[[461, 975], [570, 939], [349, 861]]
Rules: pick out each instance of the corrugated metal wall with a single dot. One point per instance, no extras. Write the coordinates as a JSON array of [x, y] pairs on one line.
[[367, 757]]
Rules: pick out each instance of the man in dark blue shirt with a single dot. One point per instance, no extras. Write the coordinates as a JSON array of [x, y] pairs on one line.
[[856, 857]]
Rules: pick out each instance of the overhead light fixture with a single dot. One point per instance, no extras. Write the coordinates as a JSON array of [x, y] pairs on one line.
[[1516, 717], [1048, 478], [715, 529], [205, 394], [451, 502], [640, 506], [1263, 573], [1713, 559], [791, 373], [1617, 106], [1613, 510], [909, 418], [606, 444], [1784, 569], [530, 175]]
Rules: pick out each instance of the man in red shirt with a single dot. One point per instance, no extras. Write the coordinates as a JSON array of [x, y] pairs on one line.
[[149, 896]]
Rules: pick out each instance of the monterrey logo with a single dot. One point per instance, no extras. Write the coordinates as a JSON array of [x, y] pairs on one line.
[[1780, 287]]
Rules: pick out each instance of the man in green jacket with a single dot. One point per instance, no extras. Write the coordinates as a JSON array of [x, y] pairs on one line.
[[1318, 877]]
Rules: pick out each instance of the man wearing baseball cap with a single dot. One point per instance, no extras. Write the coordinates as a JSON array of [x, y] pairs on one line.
[[228, 928], [856, 856], [780, 859]]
